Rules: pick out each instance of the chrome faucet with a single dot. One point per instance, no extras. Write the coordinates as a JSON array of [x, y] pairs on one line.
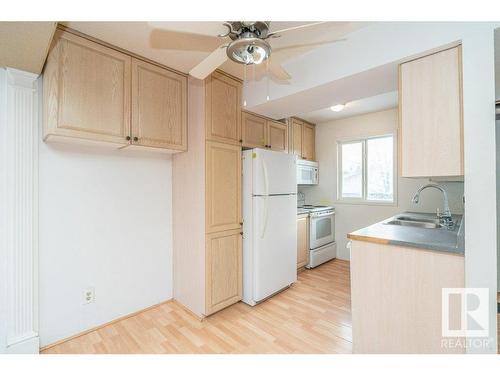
[[444, 218]]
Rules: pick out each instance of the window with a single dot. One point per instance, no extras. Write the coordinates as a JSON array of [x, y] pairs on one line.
[[366, 170]]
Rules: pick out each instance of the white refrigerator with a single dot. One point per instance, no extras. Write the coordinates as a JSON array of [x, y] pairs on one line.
[[269, 223]]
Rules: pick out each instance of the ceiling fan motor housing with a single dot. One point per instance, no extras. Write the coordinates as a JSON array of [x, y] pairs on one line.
[[259, 29]]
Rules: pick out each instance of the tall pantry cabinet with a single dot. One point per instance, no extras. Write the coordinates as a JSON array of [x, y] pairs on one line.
[[207, 227]]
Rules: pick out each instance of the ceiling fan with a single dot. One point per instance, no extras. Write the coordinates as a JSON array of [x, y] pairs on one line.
[[248, 43]]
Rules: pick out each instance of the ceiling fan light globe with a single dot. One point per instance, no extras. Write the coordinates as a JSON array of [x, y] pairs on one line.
[[249, 51]]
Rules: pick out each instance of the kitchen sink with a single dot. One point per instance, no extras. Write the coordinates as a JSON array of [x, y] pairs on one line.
[[414, 219], [418, 223]]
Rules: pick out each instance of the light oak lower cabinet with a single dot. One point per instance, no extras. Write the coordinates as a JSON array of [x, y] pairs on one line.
[[207, 224], [93, 92], [396, 298], [302, 241], [223, 270], [431, 124], [159, 107], [86, 91]]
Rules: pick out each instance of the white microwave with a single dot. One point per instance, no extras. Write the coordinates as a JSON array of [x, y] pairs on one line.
[[307, 172]]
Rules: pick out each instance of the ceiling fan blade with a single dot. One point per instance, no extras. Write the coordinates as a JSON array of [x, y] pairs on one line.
[[164, 39], [308, 45], [198, 28], [275, 33], [278, 72], [210, 63]]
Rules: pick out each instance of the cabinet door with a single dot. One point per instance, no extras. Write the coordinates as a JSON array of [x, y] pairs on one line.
[[308, 140], [302, 242], [253, 130], [223, 187], [86, 90], [430, 104], [296, 128], [223, 270], [277, 135], [223, 109], [159, 107]]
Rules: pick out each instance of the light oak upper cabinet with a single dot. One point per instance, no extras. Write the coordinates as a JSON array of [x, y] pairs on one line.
[[223, 187], [253, 130], [223, 108], [86, 91], [159, 107], [223, 269], [277, 136], [302, 140], [431, 124], [262, 132], [308, 141], [302, 241], [296, 142]]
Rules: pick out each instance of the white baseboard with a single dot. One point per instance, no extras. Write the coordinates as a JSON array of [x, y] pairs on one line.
[[29, 346]]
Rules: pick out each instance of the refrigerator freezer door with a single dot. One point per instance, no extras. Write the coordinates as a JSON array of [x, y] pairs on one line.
[[275, 244], [273, 172]]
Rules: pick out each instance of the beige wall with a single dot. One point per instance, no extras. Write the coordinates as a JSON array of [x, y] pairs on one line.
[[350, 217]]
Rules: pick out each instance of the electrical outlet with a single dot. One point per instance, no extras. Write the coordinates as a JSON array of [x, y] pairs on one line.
[[88, 295]]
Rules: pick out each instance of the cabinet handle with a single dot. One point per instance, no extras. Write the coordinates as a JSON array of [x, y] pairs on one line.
[[127, 137], [241, 222], [241, 141], [241, 233], [136, 139]]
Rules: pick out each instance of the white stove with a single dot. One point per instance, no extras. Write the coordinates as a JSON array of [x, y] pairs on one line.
[[314, 208], [322, 245]]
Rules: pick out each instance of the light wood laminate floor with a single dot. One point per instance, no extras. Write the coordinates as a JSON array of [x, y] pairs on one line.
[[313, 316]]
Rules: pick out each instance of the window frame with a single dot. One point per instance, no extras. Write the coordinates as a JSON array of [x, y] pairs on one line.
[[364, 175]]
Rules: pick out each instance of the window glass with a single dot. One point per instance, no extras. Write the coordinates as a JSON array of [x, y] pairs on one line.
[[352, 170], [380, 169], [366, 170]]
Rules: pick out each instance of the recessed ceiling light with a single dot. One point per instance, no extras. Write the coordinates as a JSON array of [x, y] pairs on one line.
[[337, 107]]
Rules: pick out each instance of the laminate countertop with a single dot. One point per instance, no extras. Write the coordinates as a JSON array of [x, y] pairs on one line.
[[438, 239]]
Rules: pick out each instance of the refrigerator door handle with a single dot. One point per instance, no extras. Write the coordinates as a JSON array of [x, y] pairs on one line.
[[266, 215], [266, 180]]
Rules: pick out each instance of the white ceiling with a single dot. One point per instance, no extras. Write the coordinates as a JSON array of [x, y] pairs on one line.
[[141, 38], [355, 107], [313, 102], [24, 45]]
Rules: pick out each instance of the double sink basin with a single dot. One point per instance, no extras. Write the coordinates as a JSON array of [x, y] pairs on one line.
[[415, 221]]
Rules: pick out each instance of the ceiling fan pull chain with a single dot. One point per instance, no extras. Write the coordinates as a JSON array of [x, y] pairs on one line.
[[267, 77], [244, 84]]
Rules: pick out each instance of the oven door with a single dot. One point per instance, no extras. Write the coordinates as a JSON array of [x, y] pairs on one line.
[[322, 229], [307, 175]]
